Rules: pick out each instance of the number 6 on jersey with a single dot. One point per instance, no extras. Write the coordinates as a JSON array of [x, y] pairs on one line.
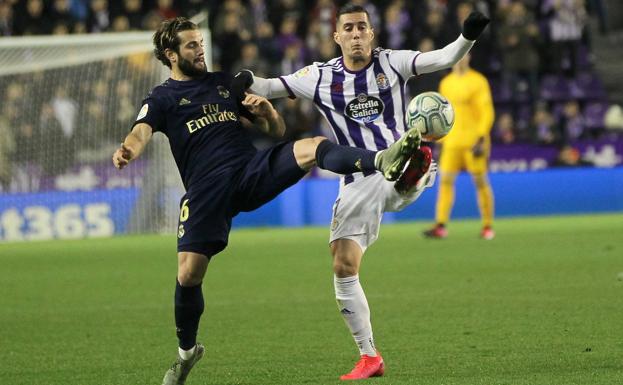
[[184, 211]]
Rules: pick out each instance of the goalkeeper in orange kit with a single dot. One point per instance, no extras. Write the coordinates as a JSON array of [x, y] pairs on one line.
[[467, 146]]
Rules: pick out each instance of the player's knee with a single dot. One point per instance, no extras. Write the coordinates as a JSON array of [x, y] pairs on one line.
[[448, 179], [305, 151], [343, 270], [346, 259], [308, 146], [191, 269], [317, 140], [188, 277], [480, 180]]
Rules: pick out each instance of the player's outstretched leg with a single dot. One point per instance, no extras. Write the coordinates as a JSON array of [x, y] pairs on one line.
[[366, 367], [393, 159], [181, 367], [420, 172]]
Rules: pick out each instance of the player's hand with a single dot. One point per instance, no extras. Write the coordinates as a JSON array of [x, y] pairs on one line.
[[259, 106], [479, 148], [122, 156], [474, 25], [241, 83]]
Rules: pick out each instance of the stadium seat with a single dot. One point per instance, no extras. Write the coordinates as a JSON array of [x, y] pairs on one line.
[[557, 110], [495, 63], [592, 87], [500, 92], [584, 58], [523, 117], [554, 88], [503, 108], [522, 91], [576, 90], [594, 114]]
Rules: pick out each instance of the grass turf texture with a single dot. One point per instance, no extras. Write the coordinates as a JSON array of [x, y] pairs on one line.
[[541, 304]]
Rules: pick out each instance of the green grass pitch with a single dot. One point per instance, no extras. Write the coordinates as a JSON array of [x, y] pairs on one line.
[[541, 304]]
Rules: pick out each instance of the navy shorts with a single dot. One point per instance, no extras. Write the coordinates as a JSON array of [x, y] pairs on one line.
[[207, 208]]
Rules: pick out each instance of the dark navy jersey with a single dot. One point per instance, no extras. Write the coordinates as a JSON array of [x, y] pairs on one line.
[[201, 119]]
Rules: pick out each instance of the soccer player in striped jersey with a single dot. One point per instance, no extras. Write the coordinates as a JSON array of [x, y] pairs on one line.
[[362, 95]]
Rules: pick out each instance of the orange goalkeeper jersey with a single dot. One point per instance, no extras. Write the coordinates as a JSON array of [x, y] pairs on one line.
[[470, 95]]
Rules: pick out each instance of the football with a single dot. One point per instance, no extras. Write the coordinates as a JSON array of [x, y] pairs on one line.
[[432, 114]]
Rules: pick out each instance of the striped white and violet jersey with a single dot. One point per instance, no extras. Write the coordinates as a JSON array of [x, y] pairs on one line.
[[365, 109]]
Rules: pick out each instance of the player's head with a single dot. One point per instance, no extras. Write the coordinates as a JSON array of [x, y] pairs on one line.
[[353, 32], [179, 45]]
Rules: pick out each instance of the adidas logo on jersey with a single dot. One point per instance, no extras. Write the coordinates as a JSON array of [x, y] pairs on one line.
[[184, 101], [358, 164]]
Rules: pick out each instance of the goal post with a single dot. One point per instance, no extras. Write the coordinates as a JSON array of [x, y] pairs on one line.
[[67, 102]]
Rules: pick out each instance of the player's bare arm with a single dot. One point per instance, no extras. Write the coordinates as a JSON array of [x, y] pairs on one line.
[[267, 118], [132, 145]]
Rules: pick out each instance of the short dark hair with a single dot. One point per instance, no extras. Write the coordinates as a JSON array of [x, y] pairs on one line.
[[351, 8], [166, 37]]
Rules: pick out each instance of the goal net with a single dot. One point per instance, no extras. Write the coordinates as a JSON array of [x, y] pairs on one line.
[[67, 103]]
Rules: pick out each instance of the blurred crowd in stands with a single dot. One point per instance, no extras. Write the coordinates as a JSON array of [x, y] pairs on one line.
[[536, 54], [50, 120]]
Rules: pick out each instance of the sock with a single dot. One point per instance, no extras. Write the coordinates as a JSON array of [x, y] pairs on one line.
[[344, 159], [353, 306], [187, 354], [188, 309], [445, 200]]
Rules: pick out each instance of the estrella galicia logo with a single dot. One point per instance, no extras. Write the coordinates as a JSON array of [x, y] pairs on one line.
[[224, 92], [364, 108]]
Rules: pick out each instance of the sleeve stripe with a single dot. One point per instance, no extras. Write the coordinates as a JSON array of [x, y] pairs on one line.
[[413, 64], [285, 84]]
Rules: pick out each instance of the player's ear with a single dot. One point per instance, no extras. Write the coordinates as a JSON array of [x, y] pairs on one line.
[[171, 55], [336, 37]]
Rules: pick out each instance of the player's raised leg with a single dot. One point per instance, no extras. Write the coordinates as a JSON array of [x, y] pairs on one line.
[[333, 157], [345, 160]]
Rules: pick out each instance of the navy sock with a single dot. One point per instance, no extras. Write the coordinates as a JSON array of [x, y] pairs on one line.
[[344, 159], [188, 309]]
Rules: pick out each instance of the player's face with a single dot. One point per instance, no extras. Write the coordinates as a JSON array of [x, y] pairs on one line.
[[191, 59], [354, 36]]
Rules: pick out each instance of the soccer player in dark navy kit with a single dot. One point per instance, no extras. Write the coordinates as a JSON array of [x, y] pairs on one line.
[[202, 113]]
